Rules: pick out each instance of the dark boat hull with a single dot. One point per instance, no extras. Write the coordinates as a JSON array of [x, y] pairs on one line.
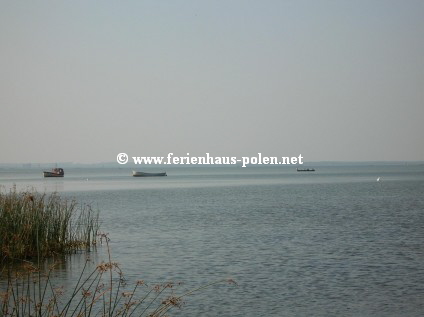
[[143, 174], [50, 174], [56, 172]]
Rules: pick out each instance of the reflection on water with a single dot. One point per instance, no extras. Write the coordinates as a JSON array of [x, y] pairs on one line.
[[66, 267], [53, 185], [79, 285], [331, 243]]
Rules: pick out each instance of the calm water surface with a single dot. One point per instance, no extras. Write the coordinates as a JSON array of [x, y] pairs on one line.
[[331, 243]]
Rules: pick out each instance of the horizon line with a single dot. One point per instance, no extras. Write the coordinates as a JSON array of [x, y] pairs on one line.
[[30, 164]]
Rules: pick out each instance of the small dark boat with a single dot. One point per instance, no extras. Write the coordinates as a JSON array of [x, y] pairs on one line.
[[305, 170], [55, 172], [144, 174]]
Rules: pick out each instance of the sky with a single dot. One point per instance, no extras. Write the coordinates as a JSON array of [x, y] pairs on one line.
[[81, 81]]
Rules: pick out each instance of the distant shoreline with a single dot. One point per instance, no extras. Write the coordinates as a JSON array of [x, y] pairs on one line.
[[129, 165]]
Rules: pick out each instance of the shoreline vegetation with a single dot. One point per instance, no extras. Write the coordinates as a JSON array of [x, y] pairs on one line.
[[40, 225], [34, 227]]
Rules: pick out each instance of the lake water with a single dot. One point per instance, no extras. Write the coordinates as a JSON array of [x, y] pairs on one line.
[[334, 242]]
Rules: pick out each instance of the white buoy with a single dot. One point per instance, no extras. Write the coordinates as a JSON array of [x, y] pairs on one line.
[[378, 179]]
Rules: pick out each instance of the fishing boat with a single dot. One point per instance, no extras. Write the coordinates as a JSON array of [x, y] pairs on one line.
[[144, 174], [55, 172], [305, 169]]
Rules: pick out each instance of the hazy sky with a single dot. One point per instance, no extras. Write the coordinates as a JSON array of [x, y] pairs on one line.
[[81, 81]]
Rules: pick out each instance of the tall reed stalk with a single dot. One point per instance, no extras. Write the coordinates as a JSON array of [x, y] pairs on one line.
[[39, 225], [34, 224], [102, 291]]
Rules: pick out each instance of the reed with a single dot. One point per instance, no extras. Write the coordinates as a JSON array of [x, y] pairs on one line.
[[102, 292], [40, 225], [34, 226]]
